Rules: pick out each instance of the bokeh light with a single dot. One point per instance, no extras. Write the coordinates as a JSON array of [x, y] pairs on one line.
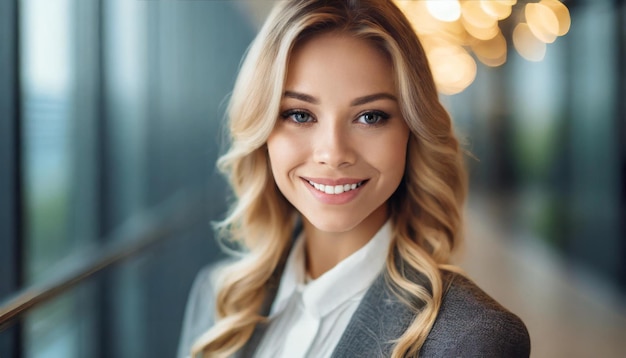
[[542, 22], [454, 30], [453, 68], [497, 9], [492, 53], [526, 44], [444, 10], [562, 14]]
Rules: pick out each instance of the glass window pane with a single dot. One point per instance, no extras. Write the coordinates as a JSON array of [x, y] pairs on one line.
[[58, 153], [46, 94], [64, 327], [168, 67]]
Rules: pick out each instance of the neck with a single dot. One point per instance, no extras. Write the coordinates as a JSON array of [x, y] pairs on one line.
[[324, 250]]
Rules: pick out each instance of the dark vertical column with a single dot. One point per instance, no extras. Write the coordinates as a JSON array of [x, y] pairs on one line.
[[621, 130], [11, 213]]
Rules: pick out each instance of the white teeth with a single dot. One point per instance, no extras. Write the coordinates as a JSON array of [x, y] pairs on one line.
[[335, 189]]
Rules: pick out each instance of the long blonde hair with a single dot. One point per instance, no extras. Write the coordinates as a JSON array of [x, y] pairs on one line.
[[426, 209]]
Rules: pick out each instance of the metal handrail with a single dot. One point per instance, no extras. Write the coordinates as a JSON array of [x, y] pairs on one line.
[[136, 235]]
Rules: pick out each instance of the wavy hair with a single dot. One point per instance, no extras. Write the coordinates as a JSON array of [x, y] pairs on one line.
[[426, 209]]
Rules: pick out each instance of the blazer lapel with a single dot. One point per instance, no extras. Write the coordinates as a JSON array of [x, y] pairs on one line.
[[380, 319]]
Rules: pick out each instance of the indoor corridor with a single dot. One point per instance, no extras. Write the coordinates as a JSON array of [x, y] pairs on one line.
[[568, 311]]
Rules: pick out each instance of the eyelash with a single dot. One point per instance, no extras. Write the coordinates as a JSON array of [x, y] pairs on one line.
[[292, 112], [383, 117]]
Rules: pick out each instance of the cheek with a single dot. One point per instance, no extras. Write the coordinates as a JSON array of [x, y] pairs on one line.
[[284, 153], [389, 154], [395, 162]]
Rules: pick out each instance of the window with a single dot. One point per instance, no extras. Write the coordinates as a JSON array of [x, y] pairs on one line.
[[112, 134]]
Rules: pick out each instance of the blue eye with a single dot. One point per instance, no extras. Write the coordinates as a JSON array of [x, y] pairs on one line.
[[297, 116], [373, 118]]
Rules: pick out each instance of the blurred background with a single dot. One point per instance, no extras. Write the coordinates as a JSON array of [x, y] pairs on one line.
[[111, 118]]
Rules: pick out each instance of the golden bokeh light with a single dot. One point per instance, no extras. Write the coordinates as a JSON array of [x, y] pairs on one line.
[[562, 14], [444, 10], [498, 9], [473, 13], [492, 53], [481, 33], [421, 19], [452, 31], [453, 68], [542, 22], [526, 44]]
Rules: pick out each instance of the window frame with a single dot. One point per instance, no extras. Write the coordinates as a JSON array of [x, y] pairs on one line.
[[11, 207]]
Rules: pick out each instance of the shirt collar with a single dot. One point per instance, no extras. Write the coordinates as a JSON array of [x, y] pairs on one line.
[[354, 274]]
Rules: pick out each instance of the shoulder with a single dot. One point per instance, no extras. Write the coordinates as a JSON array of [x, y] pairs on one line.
[[201, 300], [200, 309], [471, 323]]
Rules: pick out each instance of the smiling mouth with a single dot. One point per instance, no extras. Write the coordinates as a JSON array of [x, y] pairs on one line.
[[335, 189]]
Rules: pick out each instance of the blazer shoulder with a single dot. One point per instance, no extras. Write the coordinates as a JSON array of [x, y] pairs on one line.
[[200, 309], [471, 323]]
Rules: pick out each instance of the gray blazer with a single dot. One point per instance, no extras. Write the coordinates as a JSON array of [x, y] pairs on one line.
[[469, 323]]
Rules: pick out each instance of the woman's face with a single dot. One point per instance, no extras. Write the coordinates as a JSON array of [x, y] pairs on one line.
[[338, 149]]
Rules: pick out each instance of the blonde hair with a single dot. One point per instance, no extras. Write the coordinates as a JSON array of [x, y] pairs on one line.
[[426, 209]]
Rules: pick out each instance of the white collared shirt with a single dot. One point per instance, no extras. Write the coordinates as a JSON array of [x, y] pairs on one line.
[[308, 319]]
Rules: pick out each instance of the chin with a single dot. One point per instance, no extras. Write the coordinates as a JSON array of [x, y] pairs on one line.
[[334, 223]]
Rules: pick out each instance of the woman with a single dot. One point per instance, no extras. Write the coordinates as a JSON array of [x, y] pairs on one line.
[[349, 184]]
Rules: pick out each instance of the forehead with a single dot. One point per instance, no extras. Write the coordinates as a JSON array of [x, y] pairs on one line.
[[342, 59]]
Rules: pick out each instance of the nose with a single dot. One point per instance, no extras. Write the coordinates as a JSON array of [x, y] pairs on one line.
[[333, 145]]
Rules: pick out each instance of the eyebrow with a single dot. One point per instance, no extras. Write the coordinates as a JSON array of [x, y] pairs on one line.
[[373, 97], [356, 102], [301, 97]]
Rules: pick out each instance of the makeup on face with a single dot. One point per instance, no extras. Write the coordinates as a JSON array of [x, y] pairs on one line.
[[338, 149]]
